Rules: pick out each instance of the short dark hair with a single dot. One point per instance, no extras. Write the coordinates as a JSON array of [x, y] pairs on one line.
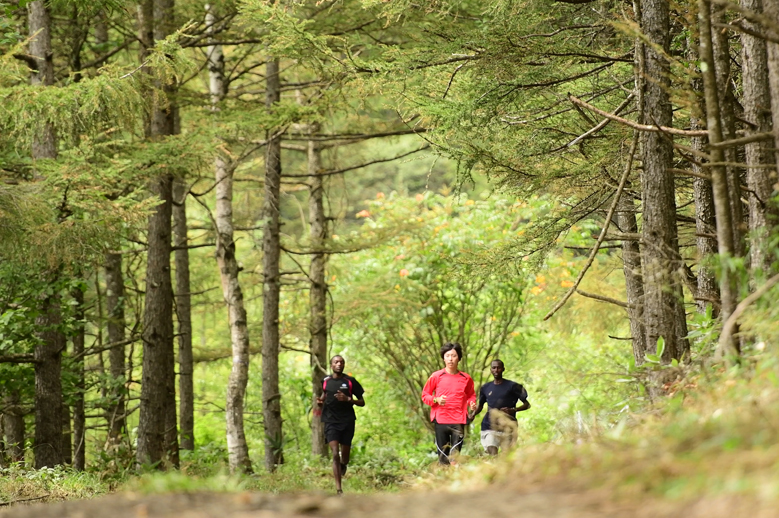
[[499, 361], [449, 346], [337, 356]]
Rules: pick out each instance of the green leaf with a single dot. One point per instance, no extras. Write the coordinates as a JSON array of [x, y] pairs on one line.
[[660, 346]]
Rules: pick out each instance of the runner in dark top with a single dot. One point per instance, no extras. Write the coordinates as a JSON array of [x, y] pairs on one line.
[[499, 426], [341, 394]]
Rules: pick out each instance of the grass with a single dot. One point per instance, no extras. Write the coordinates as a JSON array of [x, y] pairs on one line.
[[717, 433]]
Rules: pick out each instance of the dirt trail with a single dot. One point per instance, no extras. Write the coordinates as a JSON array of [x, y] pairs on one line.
[[497, 503]]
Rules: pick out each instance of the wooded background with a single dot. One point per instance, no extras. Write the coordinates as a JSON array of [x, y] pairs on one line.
[[287, 180]]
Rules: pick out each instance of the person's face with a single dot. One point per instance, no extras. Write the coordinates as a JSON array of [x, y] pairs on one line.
[[496, 368], [338, 364], [451, 359]]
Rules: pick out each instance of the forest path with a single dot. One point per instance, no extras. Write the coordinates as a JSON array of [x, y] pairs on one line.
[[492, 503]]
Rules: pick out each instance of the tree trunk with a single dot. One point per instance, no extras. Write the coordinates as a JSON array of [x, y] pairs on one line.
[[317, 326], [719, 181], [771, 10], [79, 415], [757, 112], [631, 266], [237, 448], [157, 434], [271, 397], [727, 101], [661, 259], [184, 316], [13, 421], [39, 22], [116, 355], [48, 385], [48, 352]]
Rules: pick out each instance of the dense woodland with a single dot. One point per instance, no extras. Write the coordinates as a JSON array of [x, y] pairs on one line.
[[200, 204]]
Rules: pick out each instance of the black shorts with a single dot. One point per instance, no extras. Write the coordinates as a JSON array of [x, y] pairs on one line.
[[341, 432]]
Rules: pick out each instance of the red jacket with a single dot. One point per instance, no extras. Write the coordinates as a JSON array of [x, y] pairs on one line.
[[459, 392]]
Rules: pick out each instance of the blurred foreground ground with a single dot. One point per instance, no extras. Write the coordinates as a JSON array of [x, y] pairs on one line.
[[496, 503]]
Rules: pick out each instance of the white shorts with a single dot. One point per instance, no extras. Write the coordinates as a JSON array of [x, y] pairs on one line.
[[496, 439]]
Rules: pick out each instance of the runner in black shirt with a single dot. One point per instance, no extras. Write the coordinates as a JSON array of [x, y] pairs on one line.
[[499, 426], [341, 394]]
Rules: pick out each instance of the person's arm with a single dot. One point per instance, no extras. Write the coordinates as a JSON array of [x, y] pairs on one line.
[[482, 400], [427, 392], [470, 394], [522, 397]]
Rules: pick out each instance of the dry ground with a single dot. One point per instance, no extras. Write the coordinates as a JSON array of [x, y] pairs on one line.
[[496, 503]]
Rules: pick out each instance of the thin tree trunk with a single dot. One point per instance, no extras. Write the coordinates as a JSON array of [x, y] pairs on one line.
[[184, 316], [631, 266], [79, 414], [157, 433], [757, 113], [719, 181], [237, 448], [48, 385], [48, 353], [271, 397], [317, 326], [661, 259], [115, 299], [45, 144], [13, 421], [771, 10], [727, 102]]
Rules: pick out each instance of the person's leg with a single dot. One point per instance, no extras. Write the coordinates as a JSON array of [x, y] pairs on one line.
[[442, 442], [346, 446], [457, 435], [336, 465]]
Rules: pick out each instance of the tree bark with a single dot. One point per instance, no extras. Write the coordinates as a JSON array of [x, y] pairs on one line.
[[317, 326], [631, 266], [719, 180], [13, 421], [757, 112], [727, 102], [237, 447], [184, 316], [48, 352], [771, 10], [660, 251], [48, 385], [271, 397], [39, 22], [79, 414], [157, 431], [116, 355]]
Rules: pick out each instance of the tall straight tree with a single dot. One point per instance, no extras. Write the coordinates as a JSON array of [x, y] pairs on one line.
[[79, 413], [48, 352], [317, 294], [719, 180], [237, 447], [771, 10], [155, 436], [184, 317], [661, 259], [757, 113], [116, 354], [271, 397]]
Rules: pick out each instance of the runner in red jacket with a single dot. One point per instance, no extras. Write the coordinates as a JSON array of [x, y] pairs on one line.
[[450, 394]]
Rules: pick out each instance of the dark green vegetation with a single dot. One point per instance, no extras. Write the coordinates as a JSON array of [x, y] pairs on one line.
[[200, 205]]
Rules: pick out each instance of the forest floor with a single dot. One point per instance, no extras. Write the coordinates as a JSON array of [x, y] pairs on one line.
[[496, 501]]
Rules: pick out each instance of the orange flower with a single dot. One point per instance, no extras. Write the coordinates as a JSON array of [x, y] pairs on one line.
[[379, 195], [363, 214], [404, 273], [419, 197], [566, 284]]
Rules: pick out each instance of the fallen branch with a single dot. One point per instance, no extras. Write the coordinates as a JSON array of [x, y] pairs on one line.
[[604, 298]]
